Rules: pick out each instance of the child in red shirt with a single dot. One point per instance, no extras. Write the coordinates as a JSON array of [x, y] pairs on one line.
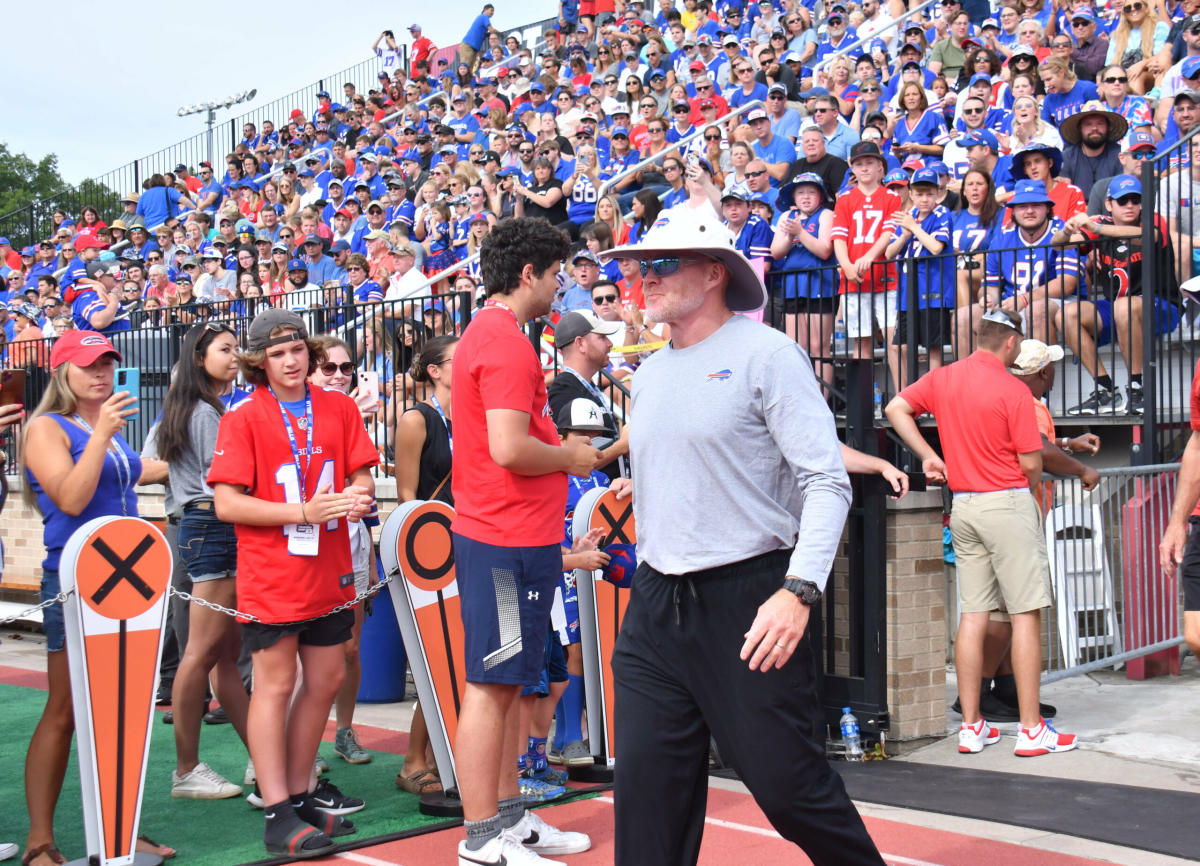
[[279, 474]]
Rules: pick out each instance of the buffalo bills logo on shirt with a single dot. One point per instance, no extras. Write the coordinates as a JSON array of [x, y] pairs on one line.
[[719, 376], [661, 221], [546, 409]]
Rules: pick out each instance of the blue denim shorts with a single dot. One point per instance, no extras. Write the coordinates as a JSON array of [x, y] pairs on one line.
[[53, 622], [207, 546]]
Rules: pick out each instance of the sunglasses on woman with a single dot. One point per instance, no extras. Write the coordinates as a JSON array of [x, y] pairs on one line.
[[345, 368]]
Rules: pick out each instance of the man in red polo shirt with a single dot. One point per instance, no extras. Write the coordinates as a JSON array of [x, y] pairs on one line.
[[510, 492], [993, 460]]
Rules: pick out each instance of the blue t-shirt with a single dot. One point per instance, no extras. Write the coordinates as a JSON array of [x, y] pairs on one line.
[[1057, 107], [779, 150], [87, 304], [158, 203], [368, 292], [1018, 266], [927, 129], [738, 97], [810, 276], [971, 234], [477, 32], [934, 277]]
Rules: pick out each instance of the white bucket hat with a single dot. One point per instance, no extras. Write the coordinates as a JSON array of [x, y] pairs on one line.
[[696, 230]]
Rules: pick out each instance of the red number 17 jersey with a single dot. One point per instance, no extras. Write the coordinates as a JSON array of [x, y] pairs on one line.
[[861, 220]]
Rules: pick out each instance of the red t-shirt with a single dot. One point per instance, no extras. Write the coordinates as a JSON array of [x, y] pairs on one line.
[[861, 220], [253, 452], [495, 367], [985, 419]]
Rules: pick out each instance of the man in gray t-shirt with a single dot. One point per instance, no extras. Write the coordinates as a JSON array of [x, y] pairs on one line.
[[740, 495], [1178, 199]]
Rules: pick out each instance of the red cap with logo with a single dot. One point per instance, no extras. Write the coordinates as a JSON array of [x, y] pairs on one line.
[[81, 348]]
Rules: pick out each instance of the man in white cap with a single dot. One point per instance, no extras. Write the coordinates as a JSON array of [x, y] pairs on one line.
[[732, 430]]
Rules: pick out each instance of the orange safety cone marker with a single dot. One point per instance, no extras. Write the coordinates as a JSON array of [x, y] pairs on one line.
[[416, 548], [601, 609], [120, 568]]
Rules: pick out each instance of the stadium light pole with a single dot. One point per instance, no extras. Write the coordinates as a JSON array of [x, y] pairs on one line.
[[210, 111]]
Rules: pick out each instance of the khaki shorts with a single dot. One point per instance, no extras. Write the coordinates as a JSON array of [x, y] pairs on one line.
[[1001, 552]]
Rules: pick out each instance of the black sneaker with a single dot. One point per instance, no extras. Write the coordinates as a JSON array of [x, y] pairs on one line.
[[216, 717], [995, 710], [328, 798], [1102, 402], [1137, 401]]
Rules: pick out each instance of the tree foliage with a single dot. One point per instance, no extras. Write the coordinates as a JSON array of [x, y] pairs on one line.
[[31, 191]]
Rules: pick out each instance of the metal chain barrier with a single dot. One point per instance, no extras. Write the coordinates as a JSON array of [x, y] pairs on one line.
[[58, 599], [228, 611]]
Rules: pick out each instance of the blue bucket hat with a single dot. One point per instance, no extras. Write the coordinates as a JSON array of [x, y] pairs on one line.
[[1049, 151], [787, 192], [1030, 192]]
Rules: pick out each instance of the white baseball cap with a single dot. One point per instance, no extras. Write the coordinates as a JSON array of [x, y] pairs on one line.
[[696, 230]]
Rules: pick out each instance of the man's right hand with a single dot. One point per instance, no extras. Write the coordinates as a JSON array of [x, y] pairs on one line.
[[581, 458], [934, 469], [1170, 549]]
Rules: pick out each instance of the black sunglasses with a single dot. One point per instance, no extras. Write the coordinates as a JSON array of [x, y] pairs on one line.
[[346, 368], [758, 173], [604, 299]]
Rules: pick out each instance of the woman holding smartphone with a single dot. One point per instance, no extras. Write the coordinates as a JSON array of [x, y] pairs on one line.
[[82, 468], [186, 440]]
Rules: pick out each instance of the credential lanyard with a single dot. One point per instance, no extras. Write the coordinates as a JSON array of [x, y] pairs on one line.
[[301, 471], [437, 404], [500, 305], [124, 470], [592, 389]]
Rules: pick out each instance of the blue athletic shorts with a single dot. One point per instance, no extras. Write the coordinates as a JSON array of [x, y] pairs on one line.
[[506, 593], [570, 601], [553, 671], [53, 622], [1166, 319]]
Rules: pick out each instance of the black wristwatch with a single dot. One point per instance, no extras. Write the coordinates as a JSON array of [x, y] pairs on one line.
[[805, 590]]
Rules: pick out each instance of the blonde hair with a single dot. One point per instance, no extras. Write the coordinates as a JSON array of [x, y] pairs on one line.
[[57, 399], [1120, 36]]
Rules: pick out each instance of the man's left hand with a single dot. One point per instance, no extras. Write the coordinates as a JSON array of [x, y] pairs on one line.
[[776, 631]]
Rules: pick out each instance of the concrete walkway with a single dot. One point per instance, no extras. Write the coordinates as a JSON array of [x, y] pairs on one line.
[[1131, 733]]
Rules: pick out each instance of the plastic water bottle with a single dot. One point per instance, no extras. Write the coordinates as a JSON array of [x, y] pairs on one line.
[[878, 402], [840, 346], [850, 736]]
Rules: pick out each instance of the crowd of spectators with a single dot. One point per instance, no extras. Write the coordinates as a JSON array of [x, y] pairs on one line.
[[1039, 105]]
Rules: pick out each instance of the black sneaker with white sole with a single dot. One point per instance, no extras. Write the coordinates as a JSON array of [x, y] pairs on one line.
[[1102, 402], [328, 798]]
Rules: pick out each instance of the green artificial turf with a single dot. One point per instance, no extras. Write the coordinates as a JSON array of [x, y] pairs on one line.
[[205, 832]]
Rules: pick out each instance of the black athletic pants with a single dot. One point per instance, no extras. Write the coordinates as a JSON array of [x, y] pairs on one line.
[[678, 678]]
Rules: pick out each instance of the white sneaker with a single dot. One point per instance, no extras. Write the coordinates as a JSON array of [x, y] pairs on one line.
[[1042, 740], [972, 738], [203, 783], [9, 849], [503, 850], [536, 835], [249, 778]]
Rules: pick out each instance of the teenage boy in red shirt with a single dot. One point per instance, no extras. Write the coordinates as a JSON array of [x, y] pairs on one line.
[[510, 492], [279, 473], [863, 221]]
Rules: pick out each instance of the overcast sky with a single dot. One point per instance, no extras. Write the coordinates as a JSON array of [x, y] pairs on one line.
[[102, 89]]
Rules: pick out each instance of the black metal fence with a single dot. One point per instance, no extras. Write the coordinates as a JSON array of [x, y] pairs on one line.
[[1095, 316]]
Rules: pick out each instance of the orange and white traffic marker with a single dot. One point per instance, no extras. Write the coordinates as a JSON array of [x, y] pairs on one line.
[[601, 610], [120, 569], [417, 548]]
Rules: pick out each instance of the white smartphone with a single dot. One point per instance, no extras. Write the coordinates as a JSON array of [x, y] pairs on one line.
[[368, 387]]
